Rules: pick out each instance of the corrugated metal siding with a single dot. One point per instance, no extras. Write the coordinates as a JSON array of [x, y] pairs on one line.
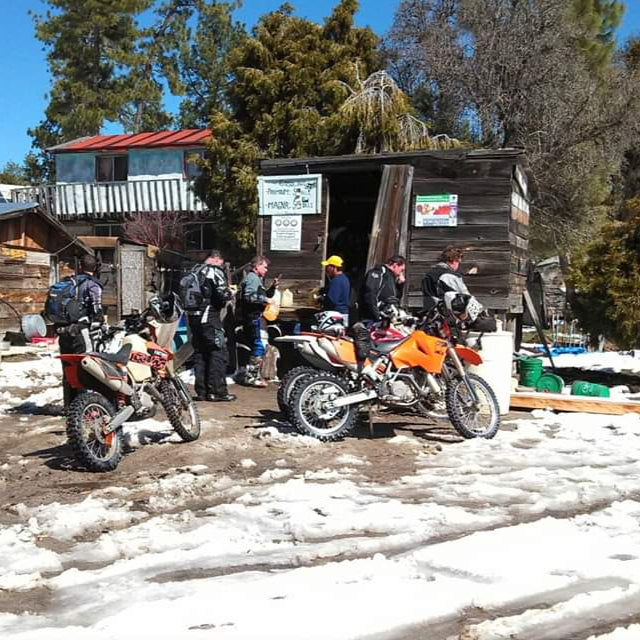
[[118, 142]]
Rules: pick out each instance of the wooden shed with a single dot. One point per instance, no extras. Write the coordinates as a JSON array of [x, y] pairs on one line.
[[368, 207], [131, 272], [35, 251]]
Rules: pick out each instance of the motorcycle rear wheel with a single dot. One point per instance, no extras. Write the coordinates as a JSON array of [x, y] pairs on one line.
[[469, 421], [180, 409], [309, 414], [87, 414], [287, 384]]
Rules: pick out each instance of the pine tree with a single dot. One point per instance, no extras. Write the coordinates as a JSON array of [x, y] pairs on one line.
[[606, 276], [284, 97], [90, 45], [204, 62]]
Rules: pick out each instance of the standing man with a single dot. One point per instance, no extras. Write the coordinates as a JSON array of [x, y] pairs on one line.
[[74, 304], [253, 299], [445, 277], [381, 287], [337, 293], [207, 333]]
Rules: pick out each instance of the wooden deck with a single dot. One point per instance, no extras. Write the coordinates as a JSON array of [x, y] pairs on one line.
[[112, 200]]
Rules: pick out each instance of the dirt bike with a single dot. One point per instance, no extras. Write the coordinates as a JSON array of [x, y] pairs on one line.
[[396, 325], [398, 374], [112, 388]]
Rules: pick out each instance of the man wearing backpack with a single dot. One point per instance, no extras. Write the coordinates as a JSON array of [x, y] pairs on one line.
[[205, 292], [73, 305]]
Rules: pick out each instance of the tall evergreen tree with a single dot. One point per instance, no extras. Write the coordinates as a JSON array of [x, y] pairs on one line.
[[285, 93], [204, 62], [90, 44]]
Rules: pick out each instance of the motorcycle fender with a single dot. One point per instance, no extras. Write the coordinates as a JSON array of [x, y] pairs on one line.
[[468, 355]]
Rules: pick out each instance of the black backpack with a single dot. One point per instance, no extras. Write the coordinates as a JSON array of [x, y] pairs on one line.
[[194, 293], [63, 304]]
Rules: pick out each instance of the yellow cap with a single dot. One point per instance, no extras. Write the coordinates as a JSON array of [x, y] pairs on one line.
[[334, 261]]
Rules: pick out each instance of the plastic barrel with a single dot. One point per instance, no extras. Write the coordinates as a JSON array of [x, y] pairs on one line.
[[33, 326], [530, 371], [584, 388], [497, 360]]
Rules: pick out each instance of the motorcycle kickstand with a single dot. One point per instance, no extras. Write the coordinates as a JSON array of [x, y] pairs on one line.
[[371, 412]]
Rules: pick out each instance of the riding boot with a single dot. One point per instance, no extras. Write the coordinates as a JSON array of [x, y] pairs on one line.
[[253, 377]]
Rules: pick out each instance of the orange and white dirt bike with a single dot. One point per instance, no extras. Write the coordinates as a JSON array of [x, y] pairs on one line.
[[111, 388], [417, 368]]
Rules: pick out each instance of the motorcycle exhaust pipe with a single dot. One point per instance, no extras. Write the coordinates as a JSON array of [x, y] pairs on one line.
[[120, 418], [354, 398], [93, 368]]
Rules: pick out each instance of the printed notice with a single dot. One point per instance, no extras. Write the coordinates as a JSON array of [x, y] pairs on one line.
[[436, 210], [286, 233]]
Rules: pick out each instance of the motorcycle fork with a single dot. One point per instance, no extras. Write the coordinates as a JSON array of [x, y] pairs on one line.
[[463, 374]]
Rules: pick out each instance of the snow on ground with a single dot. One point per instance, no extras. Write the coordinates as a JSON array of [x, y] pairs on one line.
[[532, 535], [608, 361]]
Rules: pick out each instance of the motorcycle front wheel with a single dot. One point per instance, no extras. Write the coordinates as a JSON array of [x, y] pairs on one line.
[[180, 409], [471, 419], [310, 411], [289, 381], [88, 414]]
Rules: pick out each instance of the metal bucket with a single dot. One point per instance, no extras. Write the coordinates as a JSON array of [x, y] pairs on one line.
[[33, 326]]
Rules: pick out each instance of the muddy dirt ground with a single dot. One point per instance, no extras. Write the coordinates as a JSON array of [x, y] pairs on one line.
[[38, 466]]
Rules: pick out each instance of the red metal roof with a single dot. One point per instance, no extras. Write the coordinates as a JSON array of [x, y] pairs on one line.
[[186, 137]]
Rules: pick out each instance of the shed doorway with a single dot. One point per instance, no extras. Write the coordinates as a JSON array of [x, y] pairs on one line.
[[353, 198]]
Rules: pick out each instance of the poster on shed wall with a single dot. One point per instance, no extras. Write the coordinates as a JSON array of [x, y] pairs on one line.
[[286, 233], [300, 194], [439, 210]]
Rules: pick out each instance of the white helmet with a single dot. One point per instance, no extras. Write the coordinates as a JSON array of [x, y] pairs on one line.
[[463, 306], [331, 323]]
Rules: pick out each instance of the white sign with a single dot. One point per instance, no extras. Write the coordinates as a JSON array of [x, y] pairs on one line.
[[286, 233], [280, 195], [439, 210]]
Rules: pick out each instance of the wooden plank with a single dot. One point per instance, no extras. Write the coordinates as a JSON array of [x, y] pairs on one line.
[[582, 404], [498, 190]]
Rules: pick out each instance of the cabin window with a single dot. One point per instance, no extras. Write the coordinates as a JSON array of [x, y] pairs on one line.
[[199, 236], [112, 168], [192, 167], [108, 230]]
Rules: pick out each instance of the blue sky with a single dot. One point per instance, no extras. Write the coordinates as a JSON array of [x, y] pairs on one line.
[[24, 79]]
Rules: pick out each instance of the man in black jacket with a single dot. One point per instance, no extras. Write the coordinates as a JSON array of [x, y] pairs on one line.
[[207, 333], [381, 287], [445, 277]]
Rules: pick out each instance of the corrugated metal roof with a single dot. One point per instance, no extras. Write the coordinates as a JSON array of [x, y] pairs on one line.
[[120, 142], [13, 207]]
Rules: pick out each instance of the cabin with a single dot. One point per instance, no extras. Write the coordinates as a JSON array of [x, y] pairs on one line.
[[103, 179], [36, 250], [366, 208]]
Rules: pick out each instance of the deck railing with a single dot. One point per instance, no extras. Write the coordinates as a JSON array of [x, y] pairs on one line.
[[112, 199]]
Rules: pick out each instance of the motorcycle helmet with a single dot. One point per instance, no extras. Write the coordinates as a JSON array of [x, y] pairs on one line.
[[165, 308], [331, 323]]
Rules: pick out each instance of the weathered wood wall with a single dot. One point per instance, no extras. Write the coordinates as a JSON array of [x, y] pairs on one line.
[[493, 217], [24, 282], [484, 197]]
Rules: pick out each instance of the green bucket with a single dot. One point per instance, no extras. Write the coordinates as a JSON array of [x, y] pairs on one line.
[[583, 388], [550, 383], [530, 371]]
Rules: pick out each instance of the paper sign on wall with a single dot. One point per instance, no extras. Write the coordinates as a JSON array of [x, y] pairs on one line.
[[278, 195], [436, 210], [286, 233]]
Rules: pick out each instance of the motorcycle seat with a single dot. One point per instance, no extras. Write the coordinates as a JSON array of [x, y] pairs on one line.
[[122, 357]]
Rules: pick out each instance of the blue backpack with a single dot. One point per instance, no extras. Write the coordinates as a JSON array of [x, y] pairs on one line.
[[63, 305]]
